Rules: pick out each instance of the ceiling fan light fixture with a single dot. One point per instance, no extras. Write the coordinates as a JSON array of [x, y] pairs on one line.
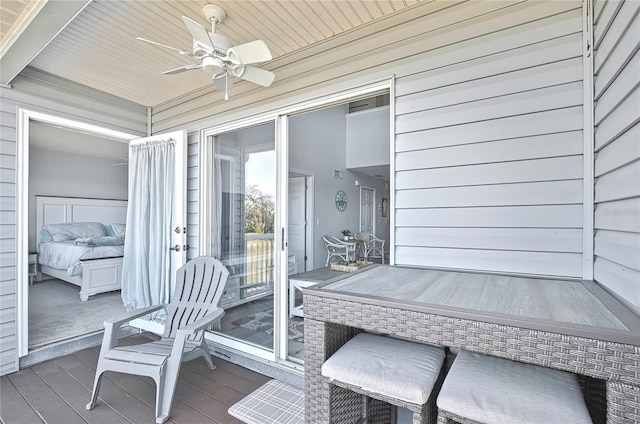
[[213, 65]]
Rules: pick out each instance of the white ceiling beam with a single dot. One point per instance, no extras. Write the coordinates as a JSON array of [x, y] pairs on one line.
[[34, 33]]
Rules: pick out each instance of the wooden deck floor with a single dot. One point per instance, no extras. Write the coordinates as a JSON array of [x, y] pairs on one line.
[[56, 392]]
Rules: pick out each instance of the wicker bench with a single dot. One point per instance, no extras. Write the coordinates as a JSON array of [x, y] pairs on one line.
[[397, 372], [483, 389]]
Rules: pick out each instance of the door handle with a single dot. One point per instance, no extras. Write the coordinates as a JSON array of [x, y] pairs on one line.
[[176, 248]]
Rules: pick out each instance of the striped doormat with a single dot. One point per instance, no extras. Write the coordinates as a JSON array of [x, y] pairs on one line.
[[273, 402]]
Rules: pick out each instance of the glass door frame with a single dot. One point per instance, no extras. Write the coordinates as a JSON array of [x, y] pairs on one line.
[[205, 210], [280, 116]]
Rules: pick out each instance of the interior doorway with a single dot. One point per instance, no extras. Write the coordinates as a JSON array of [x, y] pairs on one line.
[[300, 222], [43, 142], [367, 210]]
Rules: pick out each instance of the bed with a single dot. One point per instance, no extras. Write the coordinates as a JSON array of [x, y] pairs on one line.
[[75, 252]]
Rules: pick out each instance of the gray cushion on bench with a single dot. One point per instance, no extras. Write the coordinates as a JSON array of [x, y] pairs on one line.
[[394, 368], [273, 402], [493, 390]]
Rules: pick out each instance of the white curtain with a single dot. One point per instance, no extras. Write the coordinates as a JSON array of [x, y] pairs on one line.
[[146, 269]]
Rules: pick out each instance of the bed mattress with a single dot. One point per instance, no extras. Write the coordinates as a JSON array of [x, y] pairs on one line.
[[66, 255]]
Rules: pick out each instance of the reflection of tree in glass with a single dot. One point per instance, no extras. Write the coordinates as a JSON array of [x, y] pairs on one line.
[[259, 210]]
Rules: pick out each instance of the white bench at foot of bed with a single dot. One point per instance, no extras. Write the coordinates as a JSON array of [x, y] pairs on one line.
[[98, 276]]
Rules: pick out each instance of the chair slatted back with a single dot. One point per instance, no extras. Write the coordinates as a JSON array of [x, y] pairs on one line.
[[199, 285]]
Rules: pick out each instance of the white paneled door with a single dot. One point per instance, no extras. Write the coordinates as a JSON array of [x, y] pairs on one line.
[[367, 206], [297, 221]]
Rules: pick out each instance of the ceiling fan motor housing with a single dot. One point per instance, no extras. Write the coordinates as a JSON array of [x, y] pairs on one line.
[[219, 41]]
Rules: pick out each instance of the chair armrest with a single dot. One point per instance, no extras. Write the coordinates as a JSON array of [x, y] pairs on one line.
[[121, 319], [111, 325]]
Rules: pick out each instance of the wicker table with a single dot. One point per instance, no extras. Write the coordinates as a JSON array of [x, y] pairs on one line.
[[564, 324]]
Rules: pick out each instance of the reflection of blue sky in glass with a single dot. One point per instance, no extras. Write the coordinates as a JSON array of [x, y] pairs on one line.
[[261, 172]]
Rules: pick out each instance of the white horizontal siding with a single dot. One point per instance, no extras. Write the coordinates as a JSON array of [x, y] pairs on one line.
[[454, 126], [553, 263], [547, 169], [627, 82], [625, 150], [8, 351], [621, 280], [557, 121], [619, 215], [530, 193], [525, 239], [622, 183], [617, 150], [535, 147], [192, 196], [557, 97], [610, 62], [548, 216], [526, 57], [619, 120], [522, 80], [619, 247]]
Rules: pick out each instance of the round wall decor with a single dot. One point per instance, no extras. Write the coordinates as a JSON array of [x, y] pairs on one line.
[[341, 200]]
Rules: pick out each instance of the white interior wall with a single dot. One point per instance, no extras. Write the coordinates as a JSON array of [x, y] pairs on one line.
[[368, 138], [617, 148], [64, 174]]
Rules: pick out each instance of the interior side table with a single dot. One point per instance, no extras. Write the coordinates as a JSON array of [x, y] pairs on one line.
[[33, 266], [296, 310]]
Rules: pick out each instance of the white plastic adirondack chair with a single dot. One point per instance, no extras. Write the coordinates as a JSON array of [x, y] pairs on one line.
[[194, 307]]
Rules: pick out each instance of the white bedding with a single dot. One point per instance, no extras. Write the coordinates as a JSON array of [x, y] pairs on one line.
[[66, 255]]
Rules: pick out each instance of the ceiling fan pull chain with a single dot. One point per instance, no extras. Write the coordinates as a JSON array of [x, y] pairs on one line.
[[226, 86]]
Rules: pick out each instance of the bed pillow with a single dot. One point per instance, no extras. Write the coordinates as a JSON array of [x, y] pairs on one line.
[[74, 230], [117, 230], [45, 236]]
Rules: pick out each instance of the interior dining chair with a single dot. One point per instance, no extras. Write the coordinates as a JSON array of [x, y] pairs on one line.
[[336, 248], [375, 248], [362, 240], [193, 308]]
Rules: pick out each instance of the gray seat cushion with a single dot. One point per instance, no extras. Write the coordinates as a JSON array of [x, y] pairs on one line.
[[493, 390], [273, 402], [394, 368]]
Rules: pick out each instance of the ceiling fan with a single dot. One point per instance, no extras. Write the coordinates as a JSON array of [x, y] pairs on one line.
[[218, 57]]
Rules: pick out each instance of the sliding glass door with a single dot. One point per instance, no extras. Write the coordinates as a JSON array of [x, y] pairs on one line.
[[266, 200], [242, 214]]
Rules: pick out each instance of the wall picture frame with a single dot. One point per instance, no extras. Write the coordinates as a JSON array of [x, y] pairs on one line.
[[385, 207]]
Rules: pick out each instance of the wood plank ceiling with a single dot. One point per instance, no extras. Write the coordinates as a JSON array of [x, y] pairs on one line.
[[98, 48]]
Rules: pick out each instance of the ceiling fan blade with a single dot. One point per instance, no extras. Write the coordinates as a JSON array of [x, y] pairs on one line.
[[223, 82], [253, 52], [254, 75], [199, 34], [181, 69], [182, 52]]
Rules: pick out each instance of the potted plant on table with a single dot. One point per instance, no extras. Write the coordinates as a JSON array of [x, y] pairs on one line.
[[346, 234]]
